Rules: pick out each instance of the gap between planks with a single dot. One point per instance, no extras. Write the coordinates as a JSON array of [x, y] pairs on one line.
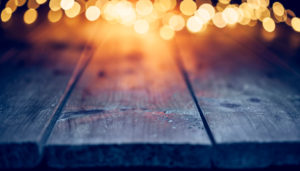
[[84, 60], [187, 81], [82, 64]]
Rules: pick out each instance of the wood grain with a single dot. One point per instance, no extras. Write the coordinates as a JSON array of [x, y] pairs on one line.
[[131, 107], [32, 82], [251, 106]]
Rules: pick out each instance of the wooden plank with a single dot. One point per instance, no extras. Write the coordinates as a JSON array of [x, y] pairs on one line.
[[252, 113], [32, 86], [131, 107], [281, 47]]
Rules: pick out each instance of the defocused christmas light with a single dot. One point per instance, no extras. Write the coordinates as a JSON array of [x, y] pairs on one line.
[[141, 26], [296, 24], [6, 14], [269, 24], [219, 21], [41, 1], [144, 7], [55, 16], [188, 7], [92, 13], [73, 11], [194, 24], [30, 16], [66, 4], [166, 32], [177, 22], [162, 14]]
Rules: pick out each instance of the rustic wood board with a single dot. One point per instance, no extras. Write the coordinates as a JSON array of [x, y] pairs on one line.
[[33, 81], [252, 113], [131, 107], [281, 48]]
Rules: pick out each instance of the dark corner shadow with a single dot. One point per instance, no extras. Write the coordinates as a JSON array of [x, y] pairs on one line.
[[7, 42]]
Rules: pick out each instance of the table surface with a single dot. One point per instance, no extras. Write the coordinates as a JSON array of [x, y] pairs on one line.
[[225, 98]]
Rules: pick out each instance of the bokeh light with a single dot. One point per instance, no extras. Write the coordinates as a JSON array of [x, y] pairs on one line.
[[66, 4], [209, 8], [269, 24], [144, 7], [177, 22], [92, 13], [166, 32], [219, 21], [296, 24], [141, 26], [55, 16], [54, 5], [20, 2], [74, 11], [194, 24], [278, 9], [188, 7], [6, 14], [162, 15], [32, 4], [41, 1], [30, 16], [230, 15], [11, 4]]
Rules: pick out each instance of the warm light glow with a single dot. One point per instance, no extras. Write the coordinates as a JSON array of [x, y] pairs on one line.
[[209, 8], [203, 14], [230, 15], [164, 5], [255, 4], [262, 13], [144, 7], [109, 11], [74, 11], [177, 22], [296, 24], [245, 14], [54, 5], [269, 24], [125, 13], [166, 32], [66, 4], [92, 13], [141, 26], [30, 16], [162, 15], [188, 7], [194, 24], [41, 1], [264, 3], [55, 16], [32, 4], [12, 5], [219, 21], [6, 14], [267, 36], [101, 3], [20, 2], [278, 9], [224, 1]]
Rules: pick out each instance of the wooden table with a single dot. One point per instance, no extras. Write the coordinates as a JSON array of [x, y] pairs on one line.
[[222, 99]]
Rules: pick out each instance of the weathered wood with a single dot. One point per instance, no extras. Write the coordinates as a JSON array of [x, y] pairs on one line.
[[280, 48], [251, 107], [131, 107], [32, 85]]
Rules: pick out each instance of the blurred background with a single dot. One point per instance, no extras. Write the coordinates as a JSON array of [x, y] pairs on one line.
[[28, 22]]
